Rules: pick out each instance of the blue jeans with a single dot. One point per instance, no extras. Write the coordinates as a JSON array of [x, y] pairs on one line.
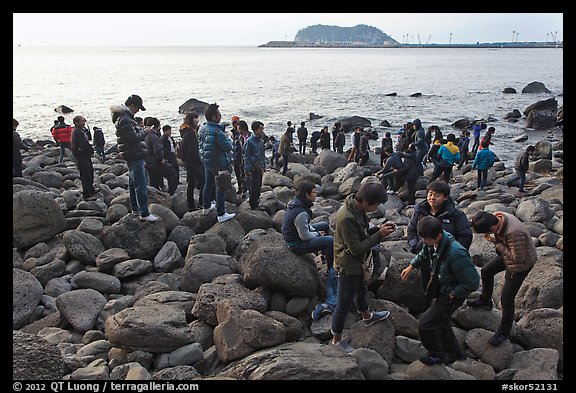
[[210, 189], [350, 289], [138, 187], [522, 179], [323, 243], [63, 147]]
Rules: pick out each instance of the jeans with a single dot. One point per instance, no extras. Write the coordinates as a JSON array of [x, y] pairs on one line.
[[475, 146], [350, 289], [324, 243], [522, 179], [512, 283], [63, 147], [482, 178], [210, 188], [302, 146], [138, 187], [435, 329]]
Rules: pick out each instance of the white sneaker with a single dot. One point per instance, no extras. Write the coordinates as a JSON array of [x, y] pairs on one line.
[[226, 217], [212, 207], [149, 217]]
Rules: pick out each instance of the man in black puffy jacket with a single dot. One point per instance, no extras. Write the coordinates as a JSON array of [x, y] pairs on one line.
[[130, 138], [438, 204]]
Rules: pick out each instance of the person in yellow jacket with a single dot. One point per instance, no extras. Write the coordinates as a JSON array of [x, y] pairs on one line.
[[448, 155]]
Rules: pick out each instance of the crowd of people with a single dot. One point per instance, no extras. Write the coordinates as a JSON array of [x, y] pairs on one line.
[[439, 233]]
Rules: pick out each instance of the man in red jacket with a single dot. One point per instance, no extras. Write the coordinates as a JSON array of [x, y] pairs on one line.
[[62, 133]]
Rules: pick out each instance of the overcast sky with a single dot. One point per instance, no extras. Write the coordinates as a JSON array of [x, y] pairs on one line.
[[231, 29]]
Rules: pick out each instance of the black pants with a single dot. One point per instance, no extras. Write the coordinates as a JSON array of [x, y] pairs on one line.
[[86, 169], [239, 172], [512, 283], [302, 146], [194, 180], [435, 329], [439, 170], [158, 171], [16, 164], [411, 186], [255, 187], [285, 159], [463, 158]]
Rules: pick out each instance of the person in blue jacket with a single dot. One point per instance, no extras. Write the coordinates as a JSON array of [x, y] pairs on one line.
[[215, 147], [482, 162], [454, 278], [254, 163]]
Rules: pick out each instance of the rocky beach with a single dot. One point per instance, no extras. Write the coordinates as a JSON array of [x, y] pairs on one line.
[[100, 295]]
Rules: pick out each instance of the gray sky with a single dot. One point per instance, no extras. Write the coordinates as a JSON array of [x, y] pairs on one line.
[[231, 29]]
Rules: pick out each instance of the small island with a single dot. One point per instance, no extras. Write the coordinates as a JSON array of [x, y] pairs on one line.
[[364, 36]]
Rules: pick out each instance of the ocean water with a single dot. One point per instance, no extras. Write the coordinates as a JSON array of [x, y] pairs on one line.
[[274, 85]]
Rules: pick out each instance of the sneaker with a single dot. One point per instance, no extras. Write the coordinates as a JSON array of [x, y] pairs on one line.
[[390, 192], [226, 217], [523, 191], [327, 310], [431, 360], [149, 217], [377, 316], [497, 339], [343, 345], [208, 210], [479, 303], [317, 312]]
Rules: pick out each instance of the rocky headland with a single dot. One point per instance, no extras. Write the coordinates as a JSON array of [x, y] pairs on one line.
[[99, 294]]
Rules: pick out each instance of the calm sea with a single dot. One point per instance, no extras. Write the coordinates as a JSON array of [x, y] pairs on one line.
[[275, 85]]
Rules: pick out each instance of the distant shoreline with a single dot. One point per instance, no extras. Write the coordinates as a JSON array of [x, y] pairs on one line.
[[515, 45]]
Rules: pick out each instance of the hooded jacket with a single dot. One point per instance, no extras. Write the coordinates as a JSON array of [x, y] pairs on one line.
[[130, 137], [456, 272], [514, 244], [453, 220], [352, 238], [420, 136]]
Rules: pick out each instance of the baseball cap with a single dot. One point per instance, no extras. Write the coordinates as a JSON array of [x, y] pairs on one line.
[[136, 100], [235, 119]]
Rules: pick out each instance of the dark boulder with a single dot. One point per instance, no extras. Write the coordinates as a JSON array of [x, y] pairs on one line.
[[509, 90], [416, 95], [313, 116], [535, 87], [350, 122], [63, 109], [385, 123], [193, 105], [392, 94], [545, 105]]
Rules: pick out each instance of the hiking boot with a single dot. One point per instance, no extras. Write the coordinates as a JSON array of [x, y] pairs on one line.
[[317, 313], [226, 217], [479, 303], [343, 345], [208, 210], [377, 316], [497, 339], [149, 217], [431, 360]]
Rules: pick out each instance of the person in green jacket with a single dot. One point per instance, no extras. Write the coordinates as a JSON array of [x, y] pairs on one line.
[[453, 278], [353, 243]]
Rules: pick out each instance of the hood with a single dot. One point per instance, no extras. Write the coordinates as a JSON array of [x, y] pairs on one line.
[[118, 110], [297, 202], [417, 123]]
